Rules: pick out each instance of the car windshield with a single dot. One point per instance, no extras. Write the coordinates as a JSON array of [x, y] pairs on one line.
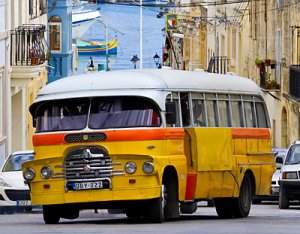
[[15, 161], [293, 156]]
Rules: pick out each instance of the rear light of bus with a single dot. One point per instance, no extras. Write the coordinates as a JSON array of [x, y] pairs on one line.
[[46, 172], [148, 167], [130, 167], [29, 174]]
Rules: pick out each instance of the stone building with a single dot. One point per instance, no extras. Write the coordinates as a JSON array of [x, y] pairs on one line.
[[4, 79], [28, 66]]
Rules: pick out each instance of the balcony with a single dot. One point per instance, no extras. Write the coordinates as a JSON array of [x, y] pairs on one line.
[[28, 46], [218, 64], [295, 81]]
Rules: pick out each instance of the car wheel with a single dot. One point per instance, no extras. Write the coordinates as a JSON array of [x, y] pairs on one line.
[[2, 210], [9, 210], [51, 214], [283, 199]]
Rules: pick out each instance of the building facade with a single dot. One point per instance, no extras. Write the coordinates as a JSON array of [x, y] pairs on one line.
[[256, 39], [28, 62], [4, 80]]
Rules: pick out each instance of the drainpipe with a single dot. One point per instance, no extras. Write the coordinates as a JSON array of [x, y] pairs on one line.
[[266, 30]]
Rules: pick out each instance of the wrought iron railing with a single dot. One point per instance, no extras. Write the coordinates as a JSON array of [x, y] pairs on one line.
[[37, 8], [295, 81], [28, 45], [218, 64]]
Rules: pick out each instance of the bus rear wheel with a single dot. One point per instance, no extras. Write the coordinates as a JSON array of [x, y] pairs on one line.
[[51, 214], [224, 207], [242, 204]]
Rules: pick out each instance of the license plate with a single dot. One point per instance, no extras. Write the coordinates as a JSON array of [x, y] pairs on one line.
[[87, 185], [24, 203]]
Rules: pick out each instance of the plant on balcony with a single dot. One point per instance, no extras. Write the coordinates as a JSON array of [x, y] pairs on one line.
[[268, 62], [259, 62], [270, 83], [34, 56]]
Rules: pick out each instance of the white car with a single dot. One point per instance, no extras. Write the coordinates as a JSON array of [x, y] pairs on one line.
[[289, 182], [14, 193]]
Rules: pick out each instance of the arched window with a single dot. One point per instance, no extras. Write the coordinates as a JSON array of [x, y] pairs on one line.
[[55, 33]]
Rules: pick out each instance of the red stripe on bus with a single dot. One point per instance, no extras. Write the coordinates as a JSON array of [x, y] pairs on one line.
[[191, 183], [114, 135], [250, 133]]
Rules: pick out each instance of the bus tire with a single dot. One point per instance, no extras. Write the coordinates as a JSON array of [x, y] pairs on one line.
[[51, 214], [224, 207], [283, 199], [242, 204], [165, 207], [155, 213], [170, 197]]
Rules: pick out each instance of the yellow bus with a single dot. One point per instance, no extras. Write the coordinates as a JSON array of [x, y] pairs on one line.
[[150, 142]]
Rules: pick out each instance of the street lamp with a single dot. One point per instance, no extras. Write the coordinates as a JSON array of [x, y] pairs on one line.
[[156, 60], [134, 59]]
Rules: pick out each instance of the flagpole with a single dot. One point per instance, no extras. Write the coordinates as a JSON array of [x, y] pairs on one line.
[[141, 35]]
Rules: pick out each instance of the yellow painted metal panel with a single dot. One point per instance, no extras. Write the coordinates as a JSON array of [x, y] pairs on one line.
[[214, 149]]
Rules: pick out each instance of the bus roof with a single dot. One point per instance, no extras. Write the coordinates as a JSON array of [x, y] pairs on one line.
[[147, 79], [145, 82]]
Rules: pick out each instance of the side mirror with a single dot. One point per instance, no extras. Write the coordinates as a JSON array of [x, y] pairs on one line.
[[279, 160], [170, 113]]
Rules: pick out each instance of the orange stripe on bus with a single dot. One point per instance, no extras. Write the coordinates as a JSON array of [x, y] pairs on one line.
[[114, 135], [250, 133]]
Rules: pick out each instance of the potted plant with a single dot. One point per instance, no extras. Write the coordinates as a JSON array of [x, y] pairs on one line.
[[259, 62], [268, 62]]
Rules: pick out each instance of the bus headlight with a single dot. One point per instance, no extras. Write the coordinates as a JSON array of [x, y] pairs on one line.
[[148, 167], [29, 174], [130, 167], [46, 172]]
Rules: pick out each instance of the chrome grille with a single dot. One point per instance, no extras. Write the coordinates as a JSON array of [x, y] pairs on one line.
[[90, 164]]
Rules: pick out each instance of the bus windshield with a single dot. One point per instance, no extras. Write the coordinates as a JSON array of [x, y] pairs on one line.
[[99, 113]]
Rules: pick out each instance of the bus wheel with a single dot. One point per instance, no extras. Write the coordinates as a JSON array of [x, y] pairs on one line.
[[242, 204], [166, 206], [283, 199], [51, 214], [224, 207]]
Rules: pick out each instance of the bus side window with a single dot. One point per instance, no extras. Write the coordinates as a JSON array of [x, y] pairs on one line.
[[198, 112], [237, 114], [261, 115], [185, 109]]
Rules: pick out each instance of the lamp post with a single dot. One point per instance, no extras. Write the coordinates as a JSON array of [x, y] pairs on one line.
[[156, 60], [134, 59]]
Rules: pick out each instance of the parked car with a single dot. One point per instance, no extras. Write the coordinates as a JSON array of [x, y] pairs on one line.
[[274, 196], [289, 182], [14, 193]]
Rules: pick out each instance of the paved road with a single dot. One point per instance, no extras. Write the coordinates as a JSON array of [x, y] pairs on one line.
[[265, 218]]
